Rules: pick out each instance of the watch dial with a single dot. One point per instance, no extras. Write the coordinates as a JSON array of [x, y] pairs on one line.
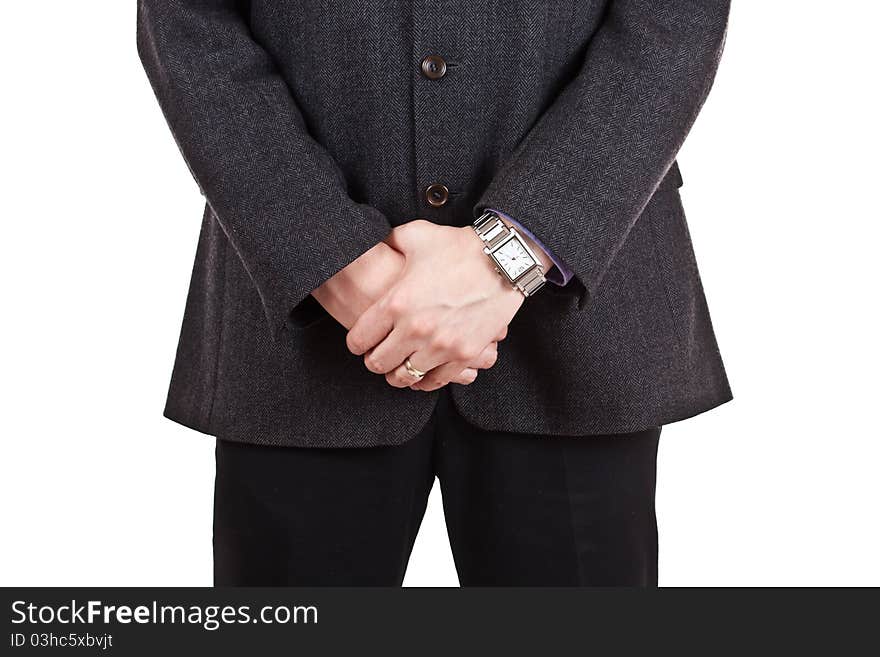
[[513, 258]]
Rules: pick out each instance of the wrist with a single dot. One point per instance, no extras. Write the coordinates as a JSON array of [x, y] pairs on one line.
[[475, 247], [362, 280]]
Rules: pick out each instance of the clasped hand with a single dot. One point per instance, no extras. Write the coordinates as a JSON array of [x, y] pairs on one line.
[[428, 294]]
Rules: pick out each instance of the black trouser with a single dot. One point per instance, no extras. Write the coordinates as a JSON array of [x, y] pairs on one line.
[[520, 509]]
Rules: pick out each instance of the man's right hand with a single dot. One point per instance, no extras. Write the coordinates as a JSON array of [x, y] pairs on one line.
[[352, 290]]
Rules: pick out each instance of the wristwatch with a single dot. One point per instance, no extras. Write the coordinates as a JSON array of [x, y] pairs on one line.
[[510, 254]]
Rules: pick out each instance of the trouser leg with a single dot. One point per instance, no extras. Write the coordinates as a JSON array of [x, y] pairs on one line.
[[548, 511], [286, 516]]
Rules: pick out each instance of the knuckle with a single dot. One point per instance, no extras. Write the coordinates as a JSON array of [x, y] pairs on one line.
[[490, 359], [461, 350], [373, 363], [467, 377], [410, 231], [355, 344], [421, 327], [394, 379], [402, 232], [442, 342], [395, 304]]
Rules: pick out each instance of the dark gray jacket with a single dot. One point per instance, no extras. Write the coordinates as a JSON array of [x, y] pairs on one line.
[[312, 130]]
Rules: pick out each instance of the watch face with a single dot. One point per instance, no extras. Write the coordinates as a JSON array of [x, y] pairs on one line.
[[513, 258]]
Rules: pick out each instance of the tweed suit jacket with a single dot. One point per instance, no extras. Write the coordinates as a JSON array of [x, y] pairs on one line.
[[312, 130]]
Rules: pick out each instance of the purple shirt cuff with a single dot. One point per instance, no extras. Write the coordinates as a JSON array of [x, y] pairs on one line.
[[559, 274]]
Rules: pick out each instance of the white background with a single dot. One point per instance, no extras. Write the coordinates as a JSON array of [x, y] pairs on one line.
[[99, 224]]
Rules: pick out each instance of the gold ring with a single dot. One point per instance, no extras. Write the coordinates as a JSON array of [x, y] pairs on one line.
[[412, 371]]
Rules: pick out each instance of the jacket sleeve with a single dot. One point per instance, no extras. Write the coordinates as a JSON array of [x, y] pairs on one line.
[[587, 169], [278, 195]]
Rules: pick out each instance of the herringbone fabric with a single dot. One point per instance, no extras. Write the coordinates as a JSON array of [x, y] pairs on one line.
[[311, 132]]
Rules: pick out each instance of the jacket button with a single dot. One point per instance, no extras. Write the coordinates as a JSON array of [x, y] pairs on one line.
[[433, 67], [437, 195]]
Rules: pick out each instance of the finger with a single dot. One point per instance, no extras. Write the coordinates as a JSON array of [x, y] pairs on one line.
[[408, 336], [400, 377], [501, 335], [424, 360], [459, 374], [389, 354], [370, 329], [466, 376], [448, 347], [441, 376], [486, 359]]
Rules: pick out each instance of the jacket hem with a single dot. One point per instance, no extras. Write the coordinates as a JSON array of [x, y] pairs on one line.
[[285, 438], [580, 428]]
